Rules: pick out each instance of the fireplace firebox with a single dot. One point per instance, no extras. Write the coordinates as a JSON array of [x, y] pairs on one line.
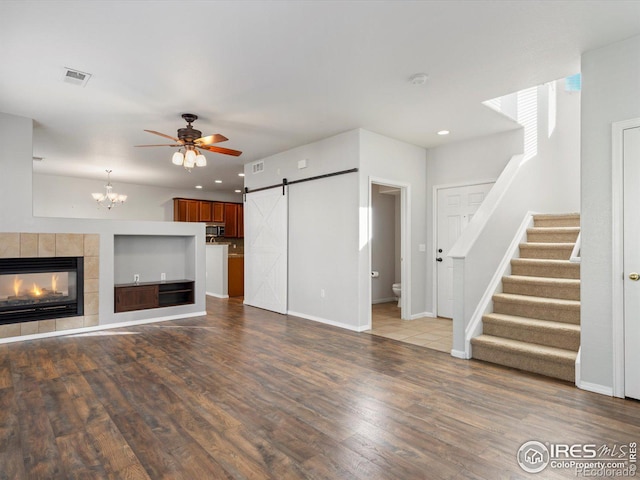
[[41, 288]]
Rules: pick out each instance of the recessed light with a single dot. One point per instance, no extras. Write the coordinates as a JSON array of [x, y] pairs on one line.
[[418, 79], [198, 186], [443, 132], [238, 191], [241, 174], [218, 181]]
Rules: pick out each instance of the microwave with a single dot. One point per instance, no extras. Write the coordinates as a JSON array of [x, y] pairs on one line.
[[214, 230]]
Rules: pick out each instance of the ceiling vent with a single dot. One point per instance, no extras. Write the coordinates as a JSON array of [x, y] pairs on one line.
[[76, 77], [257, 167]]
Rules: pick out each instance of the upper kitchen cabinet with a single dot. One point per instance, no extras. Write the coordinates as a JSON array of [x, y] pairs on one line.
[[241, 221], [185, 210], [218, 212], [206, 211], [230, 219]]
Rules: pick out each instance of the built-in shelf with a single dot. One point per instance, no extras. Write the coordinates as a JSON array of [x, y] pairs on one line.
[[141, 296]]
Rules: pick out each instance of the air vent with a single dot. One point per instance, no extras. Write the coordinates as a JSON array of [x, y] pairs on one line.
[[257, 167], [76, 77]]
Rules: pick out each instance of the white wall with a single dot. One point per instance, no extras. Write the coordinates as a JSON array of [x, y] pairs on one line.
[[611, 92], [70, 197], [385, 158], [323, 227], [16, 216], [383, 244]]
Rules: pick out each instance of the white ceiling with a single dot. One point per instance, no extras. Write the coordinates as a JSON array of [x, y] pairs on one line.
[[273, 75]]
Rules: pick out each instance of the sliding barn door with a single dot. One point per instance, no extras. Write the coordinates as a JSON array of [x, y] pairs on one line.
[[265, 250]]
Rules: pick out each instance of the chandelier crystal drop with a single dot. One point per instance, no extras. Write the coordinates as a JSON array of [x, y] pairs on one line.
[[109, 198]]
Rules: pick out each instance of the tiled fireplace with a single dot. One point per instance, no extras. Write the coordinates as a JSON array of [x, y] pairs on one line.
[[56, 289]]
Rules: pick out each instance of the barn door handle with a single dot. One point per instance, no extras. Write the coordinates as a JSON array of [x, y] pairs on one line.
[[634, 276]]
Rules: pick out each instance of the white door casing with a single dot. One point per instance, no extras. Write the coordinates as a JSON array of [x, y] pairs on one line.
[[454, 210], [265, 249], [631, 252]]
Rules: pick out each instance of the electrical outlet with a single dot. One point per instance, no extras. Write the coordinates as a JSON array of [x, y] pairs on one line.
[[322, 293], [136, 277], [163, 276]]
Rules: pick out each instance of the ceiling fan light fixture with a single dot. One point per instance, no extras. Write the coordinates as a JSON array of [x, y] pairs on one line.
[[177, 158], [201, 161], [190, 159]]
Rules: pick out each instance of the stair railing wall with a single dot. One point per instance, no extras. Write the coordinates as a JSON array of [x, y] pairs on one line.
[[474, 328]]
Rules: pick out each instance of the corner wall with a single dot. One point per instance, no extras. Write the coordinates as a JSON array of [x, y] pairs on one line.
[[611, 93]]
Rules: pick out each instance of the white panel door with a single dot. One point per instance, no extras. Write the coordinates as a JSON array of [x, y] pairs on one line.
[[456, 206], [631, 155], [265, 250]]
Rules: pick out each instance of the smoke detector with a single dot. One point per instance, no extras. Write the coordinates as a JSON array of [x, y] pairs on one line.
[[418, 79], [75, 77]]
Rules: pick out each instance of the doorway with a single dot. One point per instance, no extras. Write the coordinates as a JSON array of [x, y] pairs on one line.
[[626, 258], [389, 259], [454, 207]]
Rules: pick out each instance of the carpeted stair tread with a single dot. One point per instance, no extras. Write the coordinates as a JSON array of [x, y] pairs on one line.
[[542, 332], [544, 267], [549, 361], [551, 220], [553, 234], [542, 308], [524, 348], [529, 299], [550, 250], [563, 288]]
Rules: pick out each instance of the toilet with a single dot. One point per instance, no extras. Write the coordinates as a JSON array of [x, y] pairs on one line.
[[397, 291]]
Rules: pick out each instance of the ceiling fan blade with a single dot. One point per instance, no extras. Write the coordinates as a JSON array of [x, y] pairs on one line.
[[161, 145], [226, 151], [215, 138], [163, 135]]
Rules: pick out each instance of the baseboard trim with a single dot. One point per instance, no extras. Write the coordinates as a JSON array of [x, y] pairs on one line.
[[216, 295], [415, 316], [98, 328], [460, 354], [329, 322], [595, 388], [384, 300]]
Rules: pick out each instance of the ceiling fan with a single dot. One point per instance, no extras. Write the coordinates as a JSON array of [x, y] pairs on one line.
[[192, 141]]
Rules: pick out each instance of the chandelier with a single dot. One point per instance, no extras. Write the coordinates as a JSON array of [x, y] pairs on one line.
[[109, 199], [189, 159]]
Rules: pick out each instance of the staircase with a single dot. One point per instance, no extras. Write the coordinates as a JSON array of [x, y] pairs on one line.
[[535, 324]]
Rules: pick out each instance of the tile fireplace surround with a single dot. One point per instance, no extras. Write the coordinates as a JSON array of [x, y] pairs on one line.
[[25, 245]]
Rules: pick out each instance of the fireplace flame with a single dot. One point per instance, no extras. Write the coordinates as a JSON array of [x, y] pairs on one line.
[[36, 290], [17, 283], [54, 282]]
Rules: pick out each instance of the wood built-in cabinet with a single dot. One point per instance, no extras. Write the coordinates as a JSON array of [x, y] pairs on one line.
[[142, 296], [231, 214], [235, 275], [231, 220]]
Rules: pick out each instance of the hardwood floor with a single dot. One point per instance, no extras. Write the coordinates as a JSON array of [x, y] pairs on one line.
[[244, 393]]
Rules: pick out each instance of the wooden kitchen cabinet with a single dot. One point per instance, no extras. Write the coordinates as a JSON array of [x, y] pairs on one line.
[[185, 210], [230, 220], [206, 211], [235, 276], [240, 221], [218, 212]]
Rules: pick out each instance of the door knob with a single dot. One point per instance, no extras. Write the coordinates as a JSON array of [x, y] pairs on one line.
[[439, 259], [634, 276]]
